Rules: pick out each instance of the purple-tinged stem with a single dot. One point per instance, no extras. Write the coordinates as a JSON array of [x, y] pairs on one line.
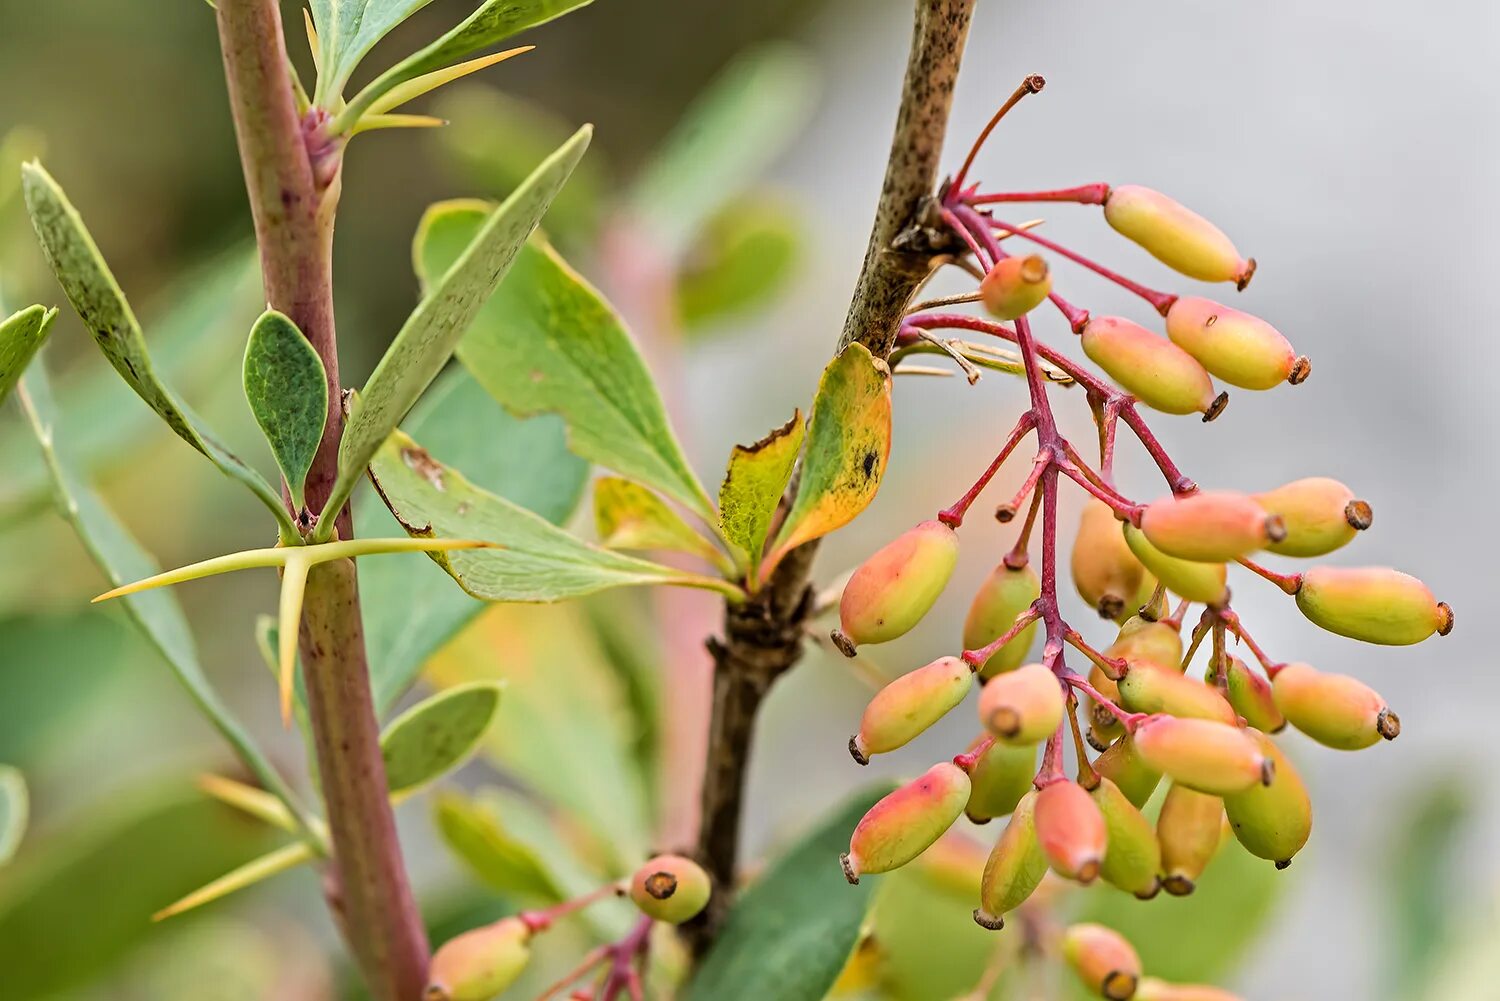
[[1160, 301], [1232, 620], [1291, 583], [1083, 194], [953, 516], [1033, 84]]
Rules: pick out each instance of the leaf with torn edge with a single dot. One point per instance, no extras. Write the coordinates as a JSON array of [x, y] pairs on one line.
[[753, 484], [437, 735], [629, 516], [530, 560], [848, 441]]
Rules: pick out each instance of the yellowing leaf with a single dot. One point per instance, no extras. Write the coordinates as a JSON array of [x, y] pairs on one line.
[[629, 516], [848, 441], [753, 485]]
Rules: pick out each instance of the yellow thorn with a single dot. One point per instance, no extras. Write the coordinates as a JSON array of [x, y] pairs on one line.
[[427, 82], [312, 38], [249, 874], [293, 586]]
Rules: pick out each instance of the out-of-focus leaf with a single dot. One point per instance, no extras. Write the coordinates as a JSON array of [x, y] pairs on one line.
[[156, 613], [437, 735], [287, 389], [1425, 873], [21, 334], [532, 559], [411, 608], [427, 338], [848, 441], [547, 342], [792, 931], [493, 139], [491, 23], [477, 836], [257, 870], [743, 259], [85, 895], [727, 138], [629, 516], [753, 485], [1469, 966], [564, 728], [90, 286], [15, 811]]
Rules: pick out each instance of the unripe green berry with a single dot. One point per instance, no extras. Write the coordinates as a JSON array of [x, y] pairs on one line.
[[906, 707], [1159, 373], [1005, 594], [1320, 515], [1189, 830], [1106, 573], [907, 821], [480, 963], [1123, 765], [1015, 286], [1106, 964], [1241, 349], [1132, 858], [1210, 526], [1175, 235], [1205, 755], [670, 888], [1014, 869], [1333, 709], [892, 590], [1142, 639], [1272, 822], [1071, 830], [1249, 693], [1022, 707], [1151, 688], [1374, 604], [1203, 582], [1001, 776]]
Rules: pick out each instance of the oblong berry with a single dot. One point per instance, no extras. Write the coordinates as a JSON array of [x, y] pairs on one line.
[[1071, 831], [670, 888], [1334, 709], [1189, 830], [480, 963], [1272, 822], [903, 824], [1150, 688], [1152, 989], [1005, 594], [1142, 639], [1106, 573], [1249, 693], [1320, 515], [1241, 349], [1203, 582], [1123, 765], [1001, 776], [893, 589], [1203, 754], [1211, 526], [1104, 962], [1014, 869], [1153, 369], [1022, 707], [1175, 235], [1132, 856], [1374, 604], [1015, 286], [906, 707]]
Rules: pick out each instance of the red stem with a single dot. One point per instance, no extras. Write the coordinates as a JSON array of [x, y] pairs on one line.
[[1160, 301], [1083, 194], [953, 516], [1291, 583], [1033, 84]]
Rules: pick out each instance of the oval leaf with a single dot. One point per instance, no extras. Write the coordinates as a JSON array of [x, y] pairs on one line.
[[848, 441], [20, 337], [476, 835], [753, 485], [744, 258], [15, 811], [435, 736], [628, 516], [288, 393]]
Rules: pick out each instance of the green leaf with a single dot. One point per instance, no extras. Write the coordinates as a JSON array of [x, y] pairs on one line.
[[548, 343], [629, 516], [411, 608], [728, 137], [491, 23], [348, 29], [476, 835], [21, 334], [848, 441], [288, 393], [96, 296], [15, 810], [437, 735], [793, 930], [753, 485], [743, 258], [428, 337], [155, 613]]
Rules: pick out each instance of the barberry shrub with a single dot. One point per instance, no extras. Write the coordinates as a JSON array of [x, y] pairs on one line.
[[530, 332]]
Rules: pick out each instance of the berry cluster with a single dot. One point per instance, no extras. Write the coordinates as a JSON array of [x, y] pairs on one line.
[[483, 962], [1145, 715]]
